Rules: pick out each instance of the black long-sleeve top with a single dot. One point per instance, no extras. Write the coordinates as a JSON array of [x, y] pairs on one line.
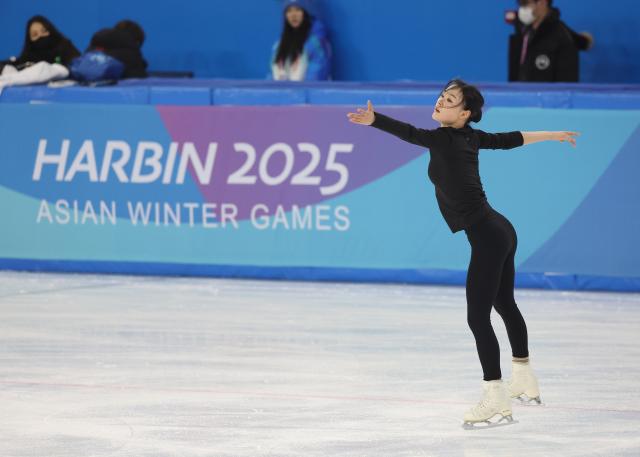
[[453, 167], [60, 50]]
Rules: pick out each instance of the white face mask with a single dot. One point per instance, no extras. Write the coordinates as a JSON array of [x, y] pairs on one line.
[[525, 14]]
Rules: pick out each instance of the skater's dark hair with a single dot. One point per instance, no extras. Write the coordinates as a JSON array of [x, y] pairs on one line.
[[472, 99], [292, 40]]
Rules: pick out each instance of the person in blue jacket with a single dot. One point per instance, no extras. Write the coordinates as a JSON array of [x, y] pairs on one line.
[[303, 52]]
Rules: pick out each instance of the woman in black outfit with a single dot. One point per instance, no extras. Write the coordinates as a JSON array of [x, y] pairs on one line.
[[453, 169], [43, 42], [46, 56]]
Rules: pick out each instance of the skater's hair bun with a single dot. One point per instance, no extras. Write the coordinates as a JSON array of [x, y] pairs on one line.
[[471, 98]]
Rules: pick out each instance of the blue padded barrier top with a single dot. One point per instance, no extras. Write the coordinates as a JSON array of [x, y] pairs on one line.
[[317, 96], [179, 91], [615, 100], [108, 95], [178, 95], [259, 96]]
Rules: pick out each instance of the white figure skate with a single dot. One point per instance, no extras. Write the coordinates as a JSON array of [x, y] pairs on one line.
[[523, 385], [496, 402]]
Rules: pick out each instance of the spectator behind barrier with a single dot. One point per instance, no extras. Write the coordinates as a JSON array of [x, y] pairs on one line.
[[543, 48], [584, 40], [303, 52], [123, 42], [45, 56]]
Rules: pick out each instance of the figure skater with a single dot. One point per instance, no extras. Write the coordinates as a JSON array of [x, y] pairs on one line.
[[453, 169]]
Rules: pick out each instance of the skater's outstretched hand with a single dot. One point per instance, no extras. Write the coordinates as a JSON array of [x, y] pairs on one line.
[[363, 117], [568, 137]]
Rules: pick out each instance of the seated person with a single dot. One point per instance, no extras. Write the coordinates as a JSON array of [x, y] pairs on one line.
[[123, 42], [46, 55], [303, 52]]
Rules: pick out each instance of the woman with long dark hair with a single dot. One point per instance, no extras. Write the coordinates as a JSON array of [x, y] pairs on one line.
[[454, 170], [43, 42], [46, 55], [303, 51]]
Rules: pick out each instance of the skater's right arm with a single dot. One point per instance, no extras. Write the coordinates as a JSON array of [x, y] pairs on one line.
[[402, 130]]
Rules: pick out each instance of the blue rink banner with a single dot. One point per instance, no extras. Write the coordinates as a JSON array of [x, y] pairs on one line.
[[298, 192]]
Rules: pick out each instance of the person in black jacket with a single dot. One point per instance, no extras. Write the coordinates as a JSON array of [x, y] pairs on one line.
[[46, 56], [454, 170], [123, 42], [543, 48], [44, 43]]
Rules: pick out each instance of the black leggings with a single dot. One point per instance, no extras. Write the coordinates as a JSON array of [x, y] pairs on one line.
[[490, 283]]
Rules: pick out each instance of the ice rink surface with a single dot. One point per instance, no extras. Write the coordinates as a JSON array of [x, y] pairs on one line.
[[146, 366]]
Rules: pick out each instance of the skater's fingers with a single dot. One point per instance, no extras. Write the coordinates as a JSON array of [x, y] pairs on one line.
[[566, 138], [369, 106]]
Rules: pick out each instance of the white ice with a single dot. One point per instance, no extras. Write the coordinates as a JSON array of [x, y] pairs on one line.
[[145, 366]]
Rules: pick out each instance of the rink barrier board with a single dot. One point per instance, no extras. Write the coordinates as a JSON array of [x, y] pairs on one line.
[[569, 282], [200, 94]]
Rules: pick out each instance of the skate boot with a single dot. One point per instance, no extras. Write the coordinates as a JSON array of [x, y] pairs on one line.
[[496, 402], [523, 384]]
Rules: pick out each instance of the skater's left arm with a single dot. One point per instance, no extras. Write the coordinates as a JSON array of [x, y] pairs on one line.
[[562, 137], [512, 140], [508, 140]]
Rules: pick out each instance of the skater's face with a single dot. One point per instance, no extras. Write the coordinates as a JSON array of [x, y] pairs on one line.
[[295, 16], [449, 108], [37, 30]]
